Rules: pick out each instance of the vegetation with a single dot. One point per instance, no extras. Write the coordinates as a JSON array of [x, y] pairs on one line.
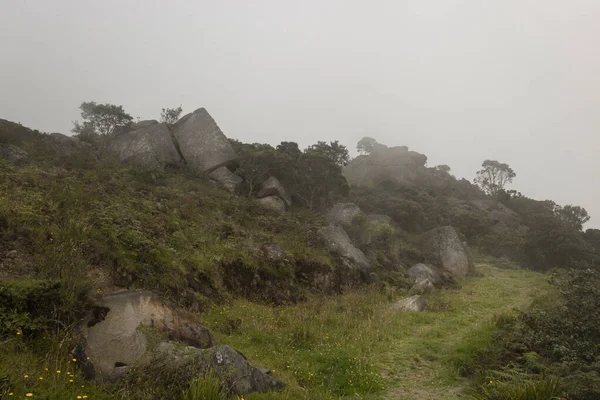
[[494, 176], [75, 223], [100, 119], [365, 145], [170, 115]]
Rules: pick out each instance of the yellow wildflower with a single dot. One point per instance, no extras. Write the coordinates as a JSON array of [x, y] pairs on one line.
[[25, 376], [58, 371], [29, 394], [74, 360], [19, 332], [41, 378], [79, 397], [71, 380]]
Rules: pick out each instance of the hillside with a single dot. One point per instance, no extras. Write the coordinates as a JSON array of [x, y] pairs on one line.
[[268, 250]]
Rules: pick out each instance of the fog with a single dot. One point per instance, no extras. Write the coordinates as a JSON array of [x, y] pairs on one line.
[[460, 81]]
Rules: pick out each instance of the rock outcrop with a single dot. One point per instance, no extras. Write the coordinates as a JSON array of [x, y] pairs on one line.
[[202, 143], [385, 163], [342, 214], [414, 303], [272, 187], [420, 272], [229, 365], [226, 179], [337, 240], [446, 249], [113, 336], [148, 144], [14, 154], [273, 203]]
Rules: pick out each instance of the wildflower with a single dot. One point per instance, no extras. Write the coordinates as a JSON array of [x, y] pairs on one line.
[[19, 332], [74, 360], [85, 397], [25, 376], [71, 380], [29, 394], [58, 371], [41, 378], [491, 382], [79, 397], [11, 393], [45, 369]]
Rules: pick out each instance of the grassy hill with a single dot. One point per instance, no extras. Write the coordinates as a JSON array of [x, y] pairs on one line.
[[75, 224]]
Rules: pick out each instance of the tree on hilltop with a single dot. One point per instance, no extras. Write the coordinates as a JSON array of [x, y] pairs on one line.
[[170, 115], [494, 176], [365, 145], [100, 119]]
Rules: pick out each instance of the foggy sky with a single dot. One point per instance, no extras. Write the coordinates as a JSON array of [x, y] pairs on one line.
[[460, 81]]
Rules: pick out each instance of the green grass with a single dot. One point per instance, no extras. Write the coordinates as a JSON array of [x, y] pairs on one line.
[[353, 345]]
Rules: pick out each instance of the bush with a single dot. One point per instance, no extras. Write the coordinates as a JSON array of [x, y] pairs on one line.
[[207, 387]]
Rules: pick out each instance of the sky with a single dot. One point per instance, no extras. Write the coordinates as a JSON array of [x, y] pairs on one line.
[[460, 81]]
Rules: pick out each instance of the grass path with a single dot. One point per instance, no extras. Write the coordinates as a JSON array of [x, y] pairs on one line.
[[423, 356], [354, 346]]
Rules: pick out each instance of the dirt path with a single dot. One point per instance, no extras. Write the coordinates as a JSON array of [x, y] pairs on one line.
[[417, 365]]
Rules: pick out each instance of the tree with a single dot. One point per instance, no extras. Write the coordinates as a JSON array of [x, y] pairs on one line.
[[101, 119], [365, 145], [336, 152], [443, 167], [494, 176], [575, 216], [170, 115]]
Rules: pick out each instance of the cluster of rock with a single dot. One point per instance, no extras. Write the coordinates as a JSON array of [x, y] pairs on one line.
[[274, 196], [132, 329]]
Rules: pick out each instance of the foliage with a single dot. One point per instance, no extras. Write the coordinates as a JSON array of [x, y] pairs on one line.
[[170, 115], [30, 307], [336, 152], [443, 167], [101, 119], [313, 177], [365, 145], [494, 176], [558, 337], [575, 216]]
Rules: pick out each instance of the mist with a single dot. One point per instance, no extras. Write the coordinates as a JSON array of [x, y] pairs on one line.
[[460, 81]]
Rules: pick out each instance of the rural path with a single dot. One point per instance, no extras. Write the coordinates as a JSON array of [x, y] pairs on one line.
[[419, 361]]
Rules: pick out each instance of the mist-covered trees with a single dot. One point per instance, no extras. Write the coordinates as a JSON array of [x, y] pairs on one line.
[[575, 216], [313, 176], [170, 115], [365, 145], [100, 119], [494, 176]]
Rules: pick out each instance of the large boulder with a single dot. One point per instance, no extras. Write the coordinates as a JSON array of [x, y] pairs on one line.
[[273, 203], [446, 249], [113, 336], [14, 154], [385, 163], [202, 143], [272, 187], [342, 214], [421, 272], [229, 365], [414, 303], [226, 178], [337, 241], [148, 144]]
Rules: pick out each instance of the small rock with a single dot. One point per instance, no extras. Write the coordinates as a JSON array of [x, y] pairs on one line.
[[342, 214], [421, 287], [274, 203], [272, 187], [411, 304], [421, 271], [226, 178], [118, 373]]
